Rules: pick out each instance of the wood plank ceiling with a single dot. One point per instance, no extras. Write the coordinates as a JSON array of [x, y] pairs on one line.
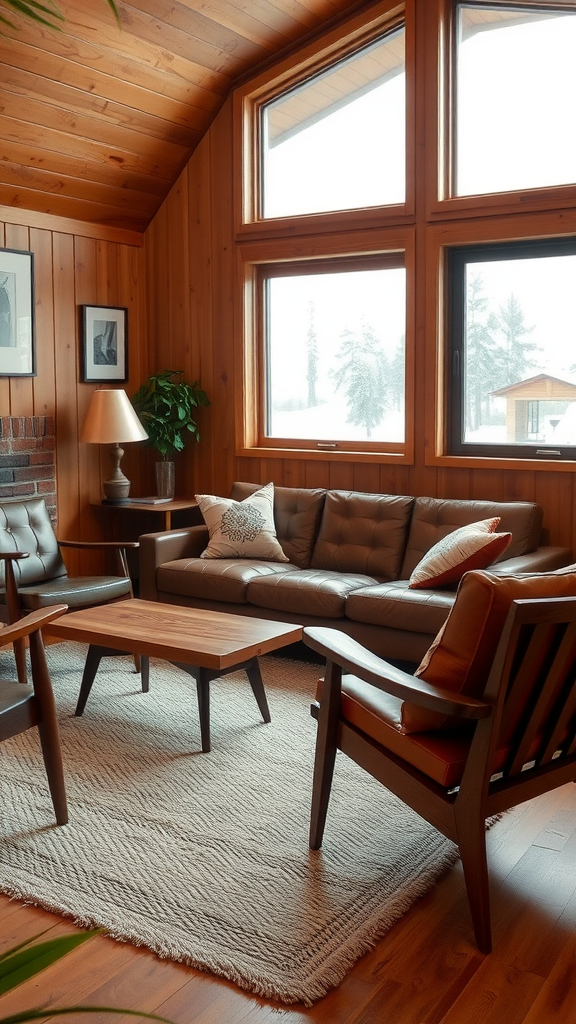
[[98, 120]]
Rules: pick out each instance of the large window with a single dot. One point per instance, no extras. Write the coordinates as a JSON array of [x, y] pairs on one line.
[[337, 140], [512, 369], [515, 98], [334, 354]]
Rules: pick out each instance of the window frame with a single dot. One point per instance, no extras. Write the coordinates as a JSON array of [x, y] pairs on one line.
[[455, 350], [342, 42], [442, 203], [258, 261], [440, 240]]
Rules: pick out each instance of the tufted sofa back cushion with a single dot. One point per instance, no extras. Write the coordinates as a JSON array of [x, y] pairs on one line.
[[26, 526], [363, 533], [297, 513], [434, 518]]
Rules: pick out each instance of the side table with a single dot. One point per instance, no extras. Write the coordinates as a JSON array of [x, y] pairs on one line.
[[163, 511]]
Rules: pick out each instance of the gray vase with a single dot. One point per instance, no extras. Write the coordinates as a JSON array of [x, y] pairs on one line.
[[165, 479]]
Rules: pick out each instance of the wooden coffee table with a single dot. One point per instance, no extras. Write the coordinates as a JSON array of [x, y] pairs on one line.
[[204, 643]]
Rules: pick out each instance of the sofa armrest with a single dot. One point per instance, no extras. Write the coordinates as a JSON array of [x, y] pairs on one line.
[[157, 548], [544, 559]]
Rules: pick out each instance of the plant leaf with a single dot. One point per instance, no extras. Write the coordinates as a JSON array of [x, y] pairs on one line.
[[24, 963], [42, 1014]]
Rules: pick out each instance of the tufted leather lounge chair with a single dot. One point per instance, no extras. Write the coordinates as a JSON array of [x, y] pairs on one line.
[[33, 574]]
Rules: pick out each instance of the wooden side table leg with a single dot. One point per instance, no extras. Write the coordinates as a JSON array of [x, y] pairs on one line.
[[255, 678]]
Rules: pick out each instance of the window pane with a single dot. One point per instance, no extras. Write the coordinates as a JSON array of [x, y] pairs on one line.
[[519, 351], [338, 141], [516, 89], [335, 356]]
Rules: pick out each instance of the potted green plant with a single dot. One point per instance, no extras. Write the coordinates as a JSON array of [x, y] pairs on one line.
[[166, 405]]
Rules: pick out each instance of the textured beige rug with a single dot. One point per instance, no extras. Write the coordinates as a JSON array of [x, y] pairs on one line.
[[203, 858]]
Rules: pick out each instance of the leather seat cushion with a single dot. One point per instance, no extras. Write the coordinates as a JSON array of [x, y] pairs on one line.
[[377, 714], [75, 591], [221, 579], [396, 606], [306, 592]]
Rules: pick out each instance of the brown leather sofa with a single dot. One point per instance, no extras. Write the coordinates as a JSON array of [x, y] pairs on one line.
[[350, 558]]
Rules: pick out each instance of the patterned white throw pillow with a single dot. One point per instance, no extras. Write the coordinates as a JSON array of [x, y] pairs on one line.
[[241, 529], [471, 547]]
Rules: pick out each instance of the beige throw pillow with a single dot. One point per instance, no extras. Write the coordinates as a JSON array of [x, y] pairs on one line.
[[241, 529]]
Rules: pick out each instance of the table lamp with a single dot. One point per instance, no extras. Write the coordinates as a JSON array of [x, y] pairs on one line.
[[112, 420]]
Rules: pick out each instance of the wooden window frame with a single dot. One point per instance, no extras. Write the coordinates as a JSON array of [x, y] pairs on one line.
[[440, 140], [359, 31], [284, 256]]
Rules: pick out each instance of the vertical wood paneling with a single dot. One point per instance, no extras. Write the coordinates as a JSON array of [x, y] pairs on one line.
[[71, 270]]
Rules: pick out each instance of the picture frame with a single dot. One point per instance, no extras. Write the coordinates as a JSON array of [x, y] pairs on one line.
[[17, 328], [104, 344]]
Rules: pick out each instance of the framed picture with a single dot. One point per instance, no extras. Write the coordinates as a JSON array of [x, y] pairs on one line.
[[104, 344], [17, 349]]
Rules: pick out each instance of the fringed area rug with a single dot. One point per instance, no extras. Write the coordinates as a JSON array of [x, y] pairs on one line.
[[204, 858]]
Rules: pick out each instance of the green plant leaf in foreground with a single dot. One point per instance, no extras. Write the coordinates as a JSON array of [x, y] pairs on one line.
[[44, 13], [23, 962], [40, 1014]]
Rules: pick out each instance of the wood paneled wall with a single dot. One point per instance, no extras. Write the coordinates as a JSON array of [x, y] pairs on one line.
[[191, 267], [73, 265]]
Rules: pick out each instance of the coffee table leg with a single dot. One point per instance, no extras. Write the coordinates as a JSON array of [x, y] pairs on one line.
[[203, 691], [255, 679], [93, 659], [145, 672]]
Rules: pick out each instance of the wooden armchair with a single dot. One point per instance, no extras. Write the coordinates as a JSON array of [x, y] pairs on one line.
[[470, 735], [33, 574], [22, 707]]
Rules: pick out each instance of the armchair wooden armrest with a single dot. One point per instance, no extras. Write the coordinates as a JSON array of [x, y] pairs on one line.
[[347, 654], [118, 546]]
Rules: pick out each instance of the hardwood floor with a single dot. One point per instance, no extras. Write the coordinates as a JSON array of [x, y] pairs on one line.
[[425, 971]]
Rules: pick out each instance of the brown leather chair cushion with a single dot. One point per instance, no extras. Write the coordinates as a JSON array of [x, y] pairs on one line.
[[363, 533], [434, 518], [76, 592], [461, 656]]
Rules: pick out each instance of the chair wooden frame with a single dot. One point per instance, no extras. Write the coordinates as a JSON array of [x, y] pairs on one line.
[[23, 706], [523, 743], [14, 604]]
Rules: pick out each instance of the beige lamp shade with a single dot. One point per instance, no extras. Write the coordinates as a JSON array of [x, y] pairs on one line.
[[112, 420]]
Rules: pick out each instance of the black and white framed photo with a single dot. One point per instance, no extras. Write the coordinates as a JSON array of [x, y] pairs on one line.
[[104, 344], [17, 350]]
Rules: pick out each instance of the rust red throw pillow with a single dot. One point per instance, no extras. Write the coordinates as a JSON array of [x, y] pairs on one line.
[[475, 546]]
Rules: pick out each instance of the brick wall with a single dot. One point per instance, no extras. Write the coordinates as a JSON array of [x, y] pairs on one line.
[[27, 467]]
